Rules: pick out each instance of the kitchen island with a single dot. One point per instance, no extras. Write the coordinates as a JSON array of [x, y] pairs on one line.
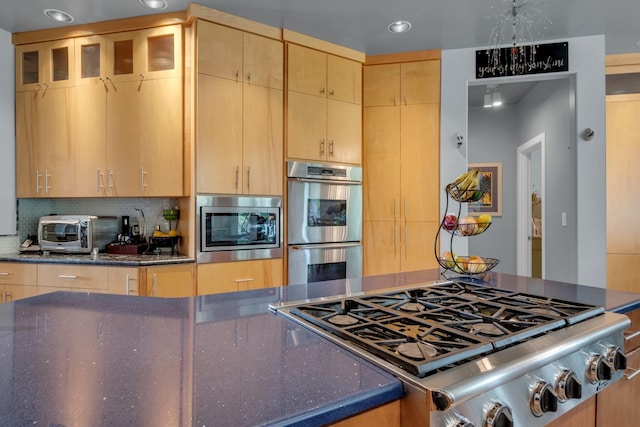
[[78, 359]]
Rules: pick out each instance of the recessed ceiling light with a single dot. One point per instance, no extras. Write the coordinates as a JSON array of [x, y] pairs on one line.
[[399, 26], [58, 15], [154, 4]]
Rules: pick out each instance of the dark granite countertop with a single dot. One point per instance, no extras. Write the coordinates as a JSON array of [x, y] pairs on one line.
[[214, 360], [100, 259]]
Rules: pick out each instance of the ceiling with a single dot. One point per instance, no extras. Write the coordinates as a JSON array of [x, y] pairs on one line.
[[361, 24]]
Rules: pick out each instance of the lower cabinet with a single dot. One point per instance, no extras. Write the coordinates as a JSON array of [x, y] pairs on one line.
[[171, 281], [387, 415], [239, 276], [17, 281], [71, 278], [580, 416]]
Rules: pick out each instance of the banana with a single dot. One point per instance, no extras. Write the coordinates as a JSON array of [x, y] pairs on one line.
[[461, 189]]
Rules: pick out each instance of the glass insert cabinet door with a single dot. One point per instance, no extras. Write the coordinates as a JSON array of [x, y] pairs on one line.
[[44, 65]]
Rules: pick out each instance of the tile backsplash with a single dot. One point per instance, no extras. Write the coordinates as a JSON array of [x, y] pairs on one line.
[[30, 210]]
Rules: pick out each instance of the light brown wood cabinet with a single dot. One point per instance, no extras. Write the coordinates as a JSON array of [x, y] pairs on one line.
[[324, 112], [112, 127], [239, 145], [129, 124], [401, 166], [239, 276], [169, 281], [17, 281]]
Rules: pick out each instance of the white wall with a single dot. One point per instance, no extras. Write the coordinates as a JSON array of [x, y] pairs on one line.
[[586, 63], [7, 137]]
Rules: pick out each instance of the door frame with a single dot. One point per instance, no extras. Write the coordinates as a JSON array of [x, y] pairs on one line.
[[524, 218]]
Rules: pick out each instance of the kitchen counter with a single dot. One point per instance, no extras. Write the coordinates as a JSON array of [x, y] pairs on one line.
[[225, 359], [101, 259]]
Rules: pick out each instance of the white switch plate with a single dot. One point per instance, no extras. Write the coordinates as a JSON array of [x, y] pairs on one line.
[[564, 219]]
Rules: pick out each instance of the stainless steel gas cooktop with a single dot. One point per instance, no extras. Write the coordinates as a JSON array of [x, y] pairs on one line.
[[466, 344]]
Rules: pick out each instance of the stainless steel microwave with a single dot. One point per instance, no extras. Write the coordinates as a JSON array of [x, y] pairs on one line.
[[235, 228]]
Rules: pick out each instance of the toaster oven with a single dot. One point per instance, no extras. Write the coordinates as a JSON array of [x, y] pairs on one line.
[[76, 233]]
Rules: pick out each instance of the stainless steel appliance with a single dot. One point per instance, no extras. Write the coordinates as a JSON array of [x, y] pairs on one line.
[[76, 233], [232, 228], [324, 221], [470, 354]]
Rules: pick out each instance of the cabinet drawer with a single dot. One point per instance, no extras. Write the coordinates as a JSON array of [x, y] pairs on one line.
[[72, 276], [632, 335], [17, 274]]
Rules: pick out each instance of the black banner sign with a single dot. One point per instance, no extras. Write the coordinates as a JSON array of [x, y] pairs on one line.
[[522, 60]]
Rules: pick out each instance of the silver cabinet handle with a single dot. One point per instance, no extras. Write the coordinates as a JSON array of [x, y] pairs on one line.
[[331, 147], [37, 181], [405, 100], [126, 285], [248, 178], [322, 146], [3, 273], [100, 179], [322, 91], [395, 101], [631, 335], [155, 284], [332, 92], [244, 280], [237, 177], [249, 78], [142, 176], [66, 276], [46, 181], [634, 373]]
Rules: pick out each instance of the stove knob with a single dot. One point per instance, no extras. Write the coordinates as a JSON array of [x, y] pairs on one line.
[[543, 399], [598, 369], [568, 386], [616, 358], [499, 416], [462, 423]]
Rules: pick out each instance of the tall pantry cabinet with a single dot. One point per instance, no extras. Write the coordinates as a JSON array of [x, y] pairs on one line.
[[401, 165]]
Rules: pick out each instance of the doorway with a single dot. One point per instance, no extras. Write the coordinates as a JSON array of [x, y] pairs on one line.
[[530, 207]]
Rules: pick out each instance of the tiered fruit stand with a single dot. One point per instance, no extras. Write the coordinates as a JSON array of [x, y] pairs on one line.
[[452, 264]]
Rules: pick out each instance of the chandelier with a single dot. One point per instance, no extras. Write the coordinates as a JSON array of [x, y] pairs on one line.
[[518, 24]]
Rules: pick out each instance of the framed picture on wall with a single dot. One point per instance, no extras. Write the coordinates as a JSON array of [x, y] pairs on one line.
[[490, 183]]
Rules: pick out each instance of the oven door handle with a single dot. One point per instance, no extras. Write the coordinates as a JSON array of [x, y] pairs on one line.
[[326, 181], [325, 246]]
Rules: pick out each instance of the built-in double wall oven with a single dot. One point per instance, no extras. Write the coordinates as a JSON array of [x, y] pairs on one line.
[[324, 217], [236, 228]]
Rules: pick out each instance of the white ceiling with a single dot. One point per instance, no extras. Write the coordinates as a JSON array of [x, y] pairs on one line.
[[361, 24]]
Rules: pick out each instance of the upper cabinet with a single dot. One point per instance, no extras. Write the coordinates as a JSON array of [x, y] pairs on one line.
[[101, 115], [239, 142], [324, 121], [395, 84]]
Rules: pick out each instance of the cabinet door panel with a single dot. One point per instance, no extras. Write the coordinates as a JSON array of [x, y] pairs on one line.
[[381, 179], [344, 79], [219, 50], [381, 247], [307, 70], [381, 85], [420, 82], [123, 140], [417, 245], [307, 126], [91, 138], [29, 133], [262, 140], [219, 139], [420, 155], [161, 52], [123, 58], [344, 132], [91, 61], [58, 146], [161, 139], [174, 281], [263, 62], [623, 127]]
